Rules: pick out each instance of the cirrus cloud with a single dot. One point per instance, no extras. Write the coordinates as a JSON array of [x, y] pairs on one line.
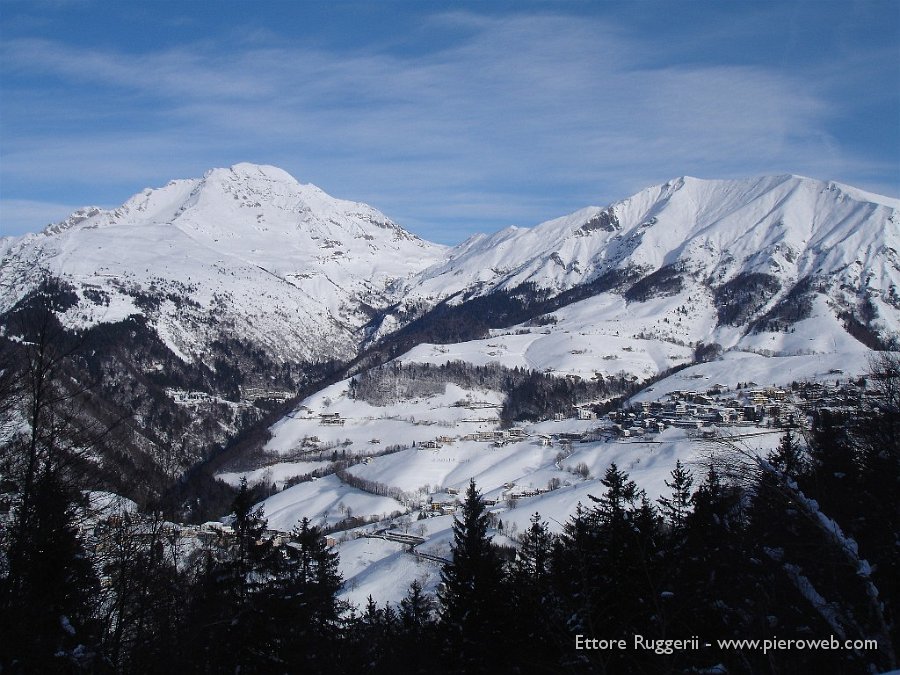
[[518, 119]]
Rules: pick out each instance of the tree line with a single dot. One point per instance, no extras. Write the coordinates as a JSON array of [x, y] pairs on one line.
[[529, 395]]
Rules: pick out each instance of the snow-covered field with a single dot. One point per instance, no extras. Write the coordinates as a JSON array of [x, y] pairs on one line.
[[275, 473], [324, 501], [735, 367], [404, 423], [597, 335], [384, 570]]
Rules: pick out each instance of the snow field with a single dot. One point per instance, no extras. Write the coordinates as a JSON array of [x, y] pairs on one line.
[[324, 502], [276, 473], [398, 424]]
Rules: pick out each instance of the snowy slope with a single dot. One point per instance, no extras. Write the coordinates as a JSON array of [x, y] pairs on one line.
[[762, 246], [608, 336], [249, 251], [324, 502], [382, 569], [795, 224], [246, 251], [790, 276]]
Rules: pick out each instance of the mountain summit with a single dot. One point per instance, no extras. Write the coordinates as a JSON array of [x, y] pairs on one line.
[[788, 225], [251, 251], [741, 257]]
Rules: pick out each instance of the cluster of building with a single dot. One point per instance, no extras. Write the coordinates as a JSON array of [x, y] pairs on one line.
[[190, 398], [253, 393], [497, 436], [331, 419], [749, 406]]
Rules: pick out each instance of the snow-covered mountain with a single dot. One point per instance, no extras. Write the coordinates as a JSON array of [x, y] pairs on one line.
[[250, 252], [202, 303], [788, 226], [246, 252], [784, 279], [737, 258]]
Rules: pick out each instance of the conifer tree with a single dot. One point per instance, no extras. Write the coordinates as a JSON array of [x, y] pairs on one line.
[[416, 609], [46, 598], [227, 624], [616, 503], [532, 562], [417, 637], [302, 602], [471, 596], [788, 456], [706, 571], [535, 623], [876, 524], [604, 568], [675, 509], [48, 586]]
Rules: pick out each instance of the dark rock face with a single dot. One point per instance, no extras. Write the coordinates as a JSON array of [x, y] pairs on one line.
[[605, 221]]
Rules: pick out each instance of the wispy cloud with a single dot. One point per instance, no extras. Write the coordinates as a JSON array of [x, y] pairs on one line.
[[520, 118]]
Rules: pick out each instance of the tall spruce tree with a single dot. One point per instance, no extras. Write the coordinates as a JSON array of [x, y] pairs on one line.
[[677, 506], [535, 624], [471, 597], [605, 570], [47, 597], [532, 562], [226, 623], [416, 609], [417, 637], [302, 604], [707, 572], [877, 523]]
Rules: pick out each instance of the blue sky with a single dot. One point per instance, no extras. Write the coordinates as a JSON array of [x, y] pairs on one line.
[[452, 118]]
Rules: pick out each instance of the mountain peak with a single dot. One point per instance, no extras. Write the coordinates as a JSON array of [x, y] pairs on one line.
[[247, 170]]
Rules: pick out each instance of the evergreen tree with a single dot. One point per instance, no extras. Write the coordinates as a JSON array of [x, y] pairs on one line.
[[788, 456], [301, 601], [675, 509], [706, 571], [471, 596], [47, 585], [605, 570], [535, 623], [416, 609], [834, 473], [812, 576], [876, 525], [617, 502], [417, 636], [532, 562], [46, 598], [227, 624]]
